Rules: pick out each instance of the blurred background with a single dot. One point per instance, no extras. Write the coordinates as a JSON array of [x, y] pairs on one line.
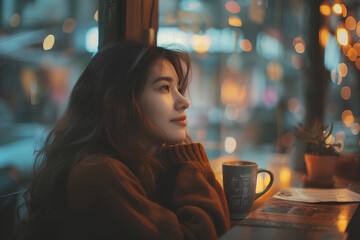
[[260, 67]]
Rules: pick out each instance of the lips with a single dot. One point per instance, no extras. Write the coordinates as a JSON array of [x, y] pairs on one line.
[[180, 120]]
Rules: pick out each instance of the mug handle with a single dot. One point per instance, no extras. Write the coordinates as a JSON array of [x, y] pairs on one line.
[[257, 195]]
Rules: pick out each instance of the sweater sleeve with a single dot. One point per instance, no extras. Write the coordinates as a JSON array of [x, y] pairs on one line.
[[109, 202]]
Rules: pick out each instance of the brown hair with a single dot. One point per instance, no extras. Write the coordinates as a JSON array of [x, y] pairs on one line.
[[103, 115]]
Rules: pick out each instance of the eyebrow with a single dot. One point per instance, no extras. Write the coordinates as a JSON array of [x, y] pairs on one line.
[[168, 79]]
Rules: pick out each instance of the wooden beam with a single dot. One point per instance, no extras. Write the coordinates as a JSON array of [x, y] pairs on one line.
[[135, 20]]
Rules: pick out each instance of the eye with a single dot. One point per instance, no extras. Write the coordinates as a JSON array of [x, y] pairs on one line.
[[165, 88]]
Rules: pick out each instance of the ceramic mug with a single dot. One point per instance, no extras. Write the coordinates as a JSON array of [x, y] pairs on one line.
[[239, 181]]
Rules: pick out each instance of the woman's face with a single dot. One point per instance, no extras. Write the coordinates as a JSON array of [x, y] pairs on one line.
[[164, 104]]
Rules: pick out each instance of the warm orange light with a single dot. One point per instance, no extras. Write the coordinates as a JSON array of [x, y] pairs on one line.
[[357, 63], [300, 48], [330, 140], [325, 9], [69, 25], [345, 92], [235, 21], [233, 93], [340, 136], [337, 9], [298, 40], [294, 105], [49, 42], [346, 49], [350, 23], [336, 78], [344, 10], [357, 48], [342, 69], [245, 45], [232, 7], [299, 44], [352, 54], [355, 128], [347, 117], [342, 36], [96, 15], [259, 183], [274, 71], [358, 28], [15, 20], [323, 36], [200, 43]]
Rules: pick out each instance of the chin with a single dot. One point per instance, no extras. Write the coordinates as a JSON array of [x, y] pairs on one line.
[[176, 139]]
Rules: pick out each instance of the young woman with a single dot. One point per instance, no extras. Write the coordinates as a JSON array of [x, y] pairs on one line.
[[118, 164]]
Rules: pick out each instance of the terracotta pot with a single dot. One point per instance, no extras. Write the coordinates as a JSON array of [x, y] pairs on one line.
[[320, 167]]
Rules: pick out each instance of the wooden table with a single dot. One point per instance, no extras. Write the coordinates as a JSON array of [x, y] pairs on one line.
[[272, 218]]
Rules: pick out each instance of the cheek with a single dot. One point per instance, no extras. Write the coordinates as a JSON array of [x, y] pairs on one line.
[[157, 110]]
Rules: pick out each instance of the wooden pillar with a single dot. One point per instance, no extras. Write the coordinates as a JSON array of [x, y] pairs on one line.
[[316, 77], [135, 20]]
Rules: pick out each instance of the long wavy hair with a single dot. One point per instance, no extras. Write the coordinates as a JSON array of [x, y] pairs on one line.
[[103, 116]]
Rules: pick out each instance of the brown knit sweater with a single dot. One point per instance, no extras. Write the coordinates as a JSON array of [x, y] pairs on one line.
[[107, 201]]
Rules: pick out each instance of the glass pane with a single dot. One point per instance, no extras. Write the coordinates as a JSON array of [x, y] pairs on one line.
[[45, 45]]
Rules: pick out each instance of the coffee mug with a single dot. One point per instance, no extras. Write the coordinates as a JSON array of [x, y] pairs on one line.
[[239, 181]]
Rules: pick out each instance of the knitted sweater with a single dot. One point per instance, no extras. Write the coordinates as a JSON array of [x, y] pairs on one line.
[[107, 201]]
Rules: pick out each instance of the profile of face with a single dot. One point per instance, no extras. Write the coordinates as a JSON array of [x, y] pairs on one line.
[[164, 105]]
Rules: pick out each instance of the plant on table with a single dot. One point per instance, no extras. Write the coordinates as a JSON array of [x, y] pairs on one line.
[[316, 137], [320, 156]]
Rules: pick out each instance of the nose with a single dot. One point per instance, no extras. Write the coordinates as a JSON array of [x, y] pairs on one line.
[[181, 103]]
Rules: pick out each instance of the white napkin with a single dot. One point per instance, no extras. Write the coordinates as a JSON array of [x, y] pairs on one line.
[[313, 195]]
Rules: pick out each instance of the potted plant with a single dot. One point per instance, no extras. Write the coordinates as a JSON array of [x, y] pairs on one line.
[[320, 155]]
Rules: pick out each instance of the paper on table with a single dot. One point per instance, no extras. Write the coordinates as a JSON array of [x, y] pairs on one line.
[[313, 195]]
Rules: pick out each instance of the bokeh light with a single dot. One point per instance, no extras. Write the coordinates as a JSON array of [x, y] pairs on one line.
[[232, 7], [15, 20], [325, 9], [358, 28], [299, 45], [340, 136], [335, 77], [337, 9], [96, 15], [245, 45], [357, 63], [347, 117], [294, 105], [69, 25], [342, 69], [323, 36], [200, 43], [274, 71], [330, 140], [235, 21], [345, 49], [352, 54], [342, 36], [345, 92], [357, 48], [355, 128], [49, 42], [230, 144], [344, 10], [350, 23], [288, 139]]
